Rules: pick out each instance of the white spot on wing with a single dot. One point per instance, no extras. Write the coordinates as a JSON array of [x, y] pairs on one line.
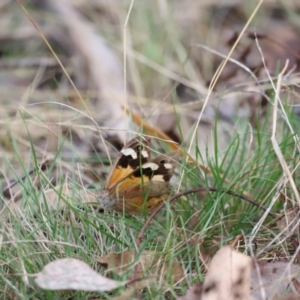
[[158, 178], [168, 166], [145, 153], [150, 165], [129, 152]]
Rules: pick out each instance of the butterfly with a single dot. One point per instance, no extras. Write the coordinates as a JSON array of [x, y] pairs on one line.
[[136, 182]]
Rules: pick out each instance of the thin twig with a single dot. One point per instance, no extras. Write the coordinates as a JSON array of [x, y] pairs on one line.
[[208, 189]]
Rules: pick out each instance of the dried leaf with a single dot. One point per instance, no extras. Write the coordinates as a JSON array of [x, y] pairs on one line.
[[275, 53], [274, 278], [228, 276], [73, 274]]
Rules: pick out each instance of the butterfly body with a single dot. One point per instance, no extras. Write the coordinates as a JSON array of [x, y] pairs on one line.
[[137, 182]]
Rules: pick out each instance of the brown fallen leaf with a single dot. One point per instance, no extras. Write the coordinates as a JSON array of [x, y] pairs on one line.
[[275, 50], [275, 278], [73, 274], [149, 263]]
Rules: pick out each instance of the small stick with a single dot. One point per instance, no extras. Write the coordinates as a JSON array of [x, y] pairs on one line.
[[208, 189]]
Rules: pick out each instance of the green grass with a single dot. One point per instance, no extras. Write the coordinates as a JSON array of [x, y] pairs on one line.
[[40, 233]]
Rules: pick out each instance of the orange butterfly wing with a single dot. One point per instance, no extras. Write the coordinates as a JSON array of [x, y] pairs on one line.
[[132, 155]]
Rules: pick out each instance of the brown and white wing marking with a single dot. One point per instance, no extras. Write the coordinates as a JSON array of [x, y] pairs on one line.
[[147, 186], [160, 168], [132, 155]]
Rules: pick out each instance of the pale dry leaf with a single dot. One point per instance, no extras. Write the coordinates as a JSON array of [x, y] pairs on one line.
[[149, 263], [274, 278], [228, 276], [73, 274]]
